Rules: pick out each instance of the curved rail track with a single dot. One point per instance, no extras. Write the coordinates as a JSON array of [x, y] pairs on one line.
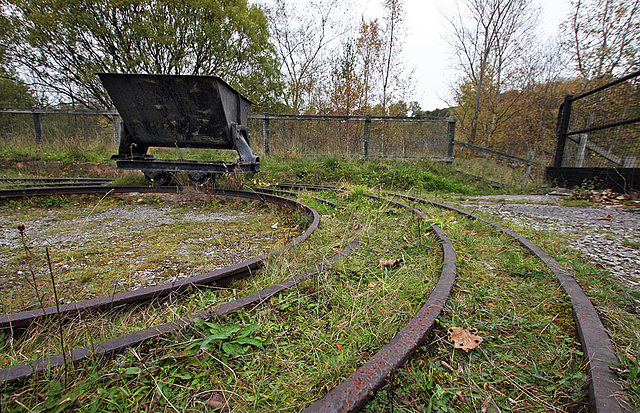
[[244, 268], [118, 344], [605, 394], [18, 183]]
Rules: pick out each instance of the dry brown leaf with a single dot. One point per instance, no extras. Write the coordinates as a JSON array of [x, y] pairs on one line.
[[216, 401], [607, 218], [388, 262], [356, 225], [336, 249], [464, 338]]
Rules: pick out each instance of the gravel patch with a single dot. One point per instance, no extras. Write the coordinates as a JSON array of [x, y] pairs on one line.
[[605, 235], [109, 222]]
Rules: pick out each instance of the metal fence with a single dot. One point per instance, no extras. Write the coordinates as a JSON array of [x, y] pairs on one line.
[[356, 136], [599, 137], [296, 135], [601, 128]]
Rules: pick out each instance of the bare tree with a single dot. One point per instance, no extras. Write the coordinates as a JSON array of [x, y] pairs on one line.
[[301, 37], [369, 52], [487, 37], [391, 68], [603, 37]]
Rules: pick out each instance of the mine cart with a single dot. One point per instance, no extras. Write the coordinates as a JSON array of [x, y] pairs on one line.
[[175, 111]]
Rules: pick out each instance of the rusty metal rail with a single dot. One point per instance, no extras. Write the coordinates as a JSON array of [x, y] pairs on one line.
[[244, 268], [352, 394], [85, 190], [118, 344], [605, 393], [115, 345]]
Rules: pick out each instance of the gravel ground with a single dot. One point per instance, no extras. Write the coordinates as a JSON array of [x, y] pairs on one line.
[[608, 235]]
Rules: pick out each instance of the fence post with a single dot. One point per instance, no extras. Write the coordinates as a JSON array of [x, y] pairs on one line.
[[629, 161], [366, 137], [266, 135], [37, 127], [451, 135], [527, 170], [582, 147], [561, 129], [117, 129]]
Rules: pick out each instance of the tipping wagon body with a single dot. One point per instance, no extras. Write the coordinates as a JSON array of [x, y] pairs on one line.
[[175, 111]]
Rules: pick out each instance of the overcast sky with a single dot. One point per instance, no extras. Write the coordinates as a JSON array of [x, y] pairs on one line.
[[426, 50]]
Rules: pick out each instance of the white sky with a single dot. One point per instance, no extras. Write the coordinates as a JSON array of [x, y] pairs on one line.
[[428, 53]]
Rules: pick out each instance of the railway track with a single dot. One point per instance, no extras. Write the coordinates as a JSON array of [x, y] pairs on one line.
[[605, 393], [242, 269], [353, 393], [110, 347]]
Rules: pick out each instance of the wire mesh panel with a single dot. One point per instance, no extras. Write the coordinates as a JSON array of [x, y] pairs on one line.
[[354, 136], [406, 139], [603, 126], [313, 137], [66, 129]]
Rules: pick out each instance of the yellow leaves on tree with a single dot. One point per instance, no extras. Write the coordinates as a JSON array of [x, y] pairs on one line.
[[464, 338]]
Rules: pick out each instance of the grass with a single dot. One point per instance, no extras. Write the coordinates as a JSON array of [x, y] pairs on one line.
[[291, 349], [420, 175], [530, 357], [186, 240]]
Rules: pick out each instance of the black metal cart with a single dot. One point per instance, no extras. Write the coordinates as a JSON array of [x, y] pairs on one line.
[[175, 111]]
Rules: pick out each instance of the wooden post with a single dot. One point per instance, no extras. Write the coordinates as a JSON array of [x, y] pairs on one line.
[[629, 161], [451, 136], [266, 135], [366, 137], [582, 147], [527, 170], [37, 128], [117, 129]]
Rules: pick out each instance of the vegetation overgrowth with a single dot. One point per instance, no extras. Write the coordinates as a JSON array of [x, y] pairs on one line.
[[288, 351]]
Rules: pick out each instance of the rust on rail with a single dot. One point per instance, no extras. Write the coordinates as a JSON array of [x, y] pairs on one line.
[[25, 318]]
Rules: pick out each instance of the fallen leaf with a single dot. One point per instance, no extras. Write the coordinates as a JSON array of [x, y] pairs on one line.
[[339, 347], [607, 218], [336, 249], [216, 401], [464, 338], [356, 225], [388, 263]]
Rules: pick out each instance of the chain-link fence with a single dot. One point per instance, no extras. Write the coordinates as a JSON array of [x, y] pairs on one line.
[[354, 136], [601, 128], [281, 135], [599, 137]]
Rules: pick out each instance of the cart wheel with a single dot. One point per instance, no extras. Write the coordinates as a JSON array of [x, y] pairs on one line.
[[159, 178], [201, 178]]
